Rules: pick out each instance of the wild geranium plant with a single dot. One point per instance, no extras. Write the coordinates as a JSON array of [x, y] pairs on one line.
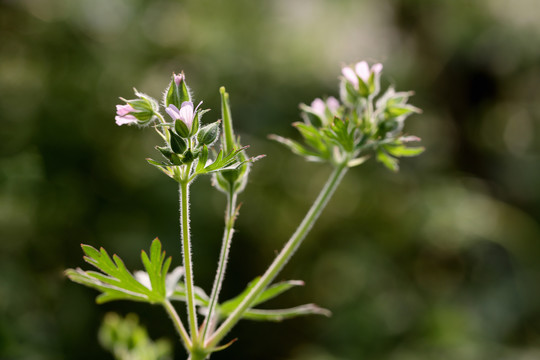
[[343, 133]]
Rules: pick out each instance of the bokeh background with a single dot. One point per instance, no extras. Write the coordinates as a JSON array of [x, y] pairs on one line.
[[438, 261]]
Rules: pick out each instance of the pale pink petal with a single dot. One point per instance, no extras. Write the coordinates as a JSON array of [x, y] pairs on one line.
[[186, 113], [318, 106], [362, 70], [127, 119], [350, 76], [377, 68], [173, 112], [178, 78], [122, 110], [333, 104]]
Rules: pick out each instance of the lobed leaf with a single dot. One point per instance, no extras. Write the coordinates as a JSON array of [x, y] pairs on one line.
[[116, 282]]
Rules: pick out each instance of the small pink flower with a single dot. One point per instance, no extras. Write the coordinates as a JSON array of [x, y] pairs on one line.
[[124, 116], [361, 70], [186, 114]]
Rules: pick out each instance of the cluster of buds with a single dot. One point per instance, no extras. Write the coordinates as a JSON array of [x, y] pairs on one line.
[[187, 143], [348, 131]]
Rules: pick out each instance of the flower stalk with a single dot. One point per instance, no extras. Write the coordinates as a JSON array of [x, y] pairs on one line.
[[284, 256], [188, 264]]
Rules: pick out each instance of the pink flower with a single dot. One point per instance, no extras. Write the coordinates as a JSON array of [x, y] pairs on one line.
[[124, 116], [362, 71], [186, 114]]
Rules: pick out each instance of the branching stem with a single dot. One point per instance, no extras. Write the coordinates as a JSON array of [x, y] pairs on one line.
[[283, 257], [177, 324]]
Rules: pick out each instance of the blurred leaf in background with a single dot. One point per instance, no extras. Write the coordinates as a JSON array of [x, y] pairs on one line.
[[438, 261]]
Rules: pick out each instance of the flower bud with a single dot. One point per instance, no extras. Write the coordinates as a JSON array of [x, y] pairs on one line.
[[178, 92], [230, 180], [141, 111], [209, 133]]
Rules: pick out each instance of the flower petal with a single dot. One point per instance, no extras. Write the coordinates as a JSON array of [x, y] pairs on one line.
[[350, 75], [173, 112], [127, 119], [377, 68], [186, 113], [362, 70]]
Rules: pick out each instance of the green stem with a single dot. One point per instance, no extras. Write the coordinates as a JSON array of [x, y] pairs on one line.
[[230, 217], [188, 267], [177, 324], [283, 257]]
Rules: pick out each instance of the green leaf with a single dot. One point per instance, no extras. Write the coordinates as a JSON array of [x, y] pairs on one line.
[[165, 168], [270, 293], [116, 282], [299, 149], [402, 150], [387, 160], [283, 314], [401, 109]]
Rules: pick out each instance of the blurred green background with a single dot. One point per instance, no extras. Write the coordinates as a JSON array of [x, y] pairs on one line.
[[438, 261]]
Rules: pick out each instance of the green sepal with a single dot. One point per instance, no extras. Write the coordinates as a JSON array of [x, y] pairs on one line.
[[195, 124], [178, 144], [181, 128], [310, 117], [177, 94]]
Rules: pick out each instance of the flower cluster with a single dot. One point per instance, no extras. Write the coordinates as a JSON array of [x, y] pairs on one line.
[[346, 132], [186, 142]]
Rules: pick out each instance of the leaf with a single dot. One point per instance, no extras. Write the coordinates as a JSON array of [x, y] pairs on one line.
[[270, 293], [283, 314], [402, 150], [167, 170], [401, 109], [312, 136], [117, 283], [299, 149], [223, 162], [387, 160]]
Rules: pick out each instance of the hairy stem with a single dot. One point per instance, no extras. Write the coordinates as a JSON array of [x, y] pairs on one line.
[[177, 324], [188, 266], [283, 257], [230, 217]]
